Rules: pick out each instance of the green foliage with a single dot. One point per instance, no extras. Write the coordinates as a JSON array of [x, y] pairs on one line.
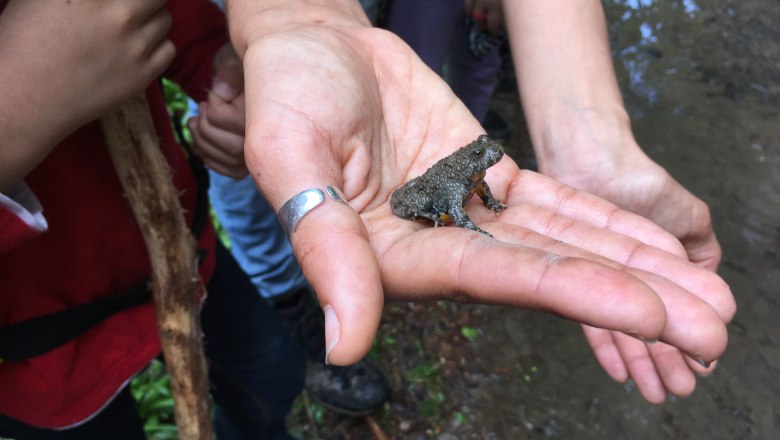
[[178, 104], [424, 372], [152, 392], [468, 332]]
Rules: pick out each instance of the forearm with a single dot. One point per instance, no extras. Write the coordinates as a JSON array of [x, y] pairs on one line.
[[250, 20], [565, 73]]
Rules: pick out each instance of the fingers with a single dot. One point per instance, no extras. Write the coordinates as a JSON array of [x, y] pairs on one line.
[[691, 323], [218, 135], [143, 10], [704, 251], [533, 188], [221, 150], [159, 55], [627, 250], [700, 243], [460, 264], [332, 247], [606, 352], [689, 219], [657, 369], [228, 76]]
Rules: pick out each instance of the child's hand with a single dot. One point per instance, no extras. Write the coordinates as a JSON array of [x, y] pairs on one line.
[[83, 57], [218, 129], [64, 64]]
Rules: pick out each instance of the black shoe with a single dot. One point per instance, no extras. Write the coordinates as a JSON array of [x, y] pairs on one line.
[[354, 390]]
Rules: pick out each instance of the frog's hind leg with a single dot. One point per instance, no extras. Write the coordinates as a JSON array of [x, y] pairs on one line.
[[483, 191], [460, 218]]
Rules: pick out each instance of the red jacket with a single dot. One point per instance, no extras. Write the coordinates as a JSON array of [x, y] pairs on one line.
[[93, 249]]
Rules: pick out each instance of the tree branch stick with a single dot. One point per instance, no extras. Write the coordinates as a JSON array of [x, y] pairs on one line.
[[146, 179]]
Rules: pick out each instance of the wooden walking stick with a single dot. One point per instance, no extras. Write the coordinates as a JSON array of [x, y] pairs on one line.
[[143, 171]]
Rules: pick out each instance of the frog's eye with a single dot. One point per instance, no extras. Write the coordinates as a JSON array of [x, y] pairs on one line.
[[477, 152]]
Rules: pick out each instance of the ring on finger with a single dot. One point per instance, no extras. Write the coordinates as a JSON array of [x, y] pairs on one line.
[[294, 209]]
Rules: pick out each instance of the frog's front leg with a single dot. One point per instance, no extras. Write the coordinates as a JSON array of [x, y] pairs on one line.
[[483, 191]]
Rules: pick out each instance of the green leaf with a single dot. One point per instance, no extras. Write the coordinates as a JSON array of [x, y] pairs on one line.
[[468, 332]]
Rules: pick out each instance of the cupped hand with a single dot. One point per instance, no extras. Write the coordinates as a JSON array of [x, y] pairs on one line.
[[354, 108], [594, 156]]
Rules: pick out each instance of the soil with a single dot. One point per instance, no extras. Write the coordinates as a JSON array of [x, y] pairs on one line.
[[701, 80]]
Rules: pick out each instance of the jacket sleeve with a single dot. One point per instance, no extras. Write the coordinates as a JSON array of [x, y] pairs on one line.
[[21, 217], [198, 30]]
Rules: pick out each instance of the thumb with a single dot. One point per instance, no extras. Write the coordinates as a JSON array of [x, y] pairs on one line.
[[330, 240], [332, 246], [228, 74]]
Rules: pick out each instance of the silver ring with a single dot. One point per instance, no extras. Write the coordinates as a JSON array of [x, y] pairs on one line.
[[291, 213]]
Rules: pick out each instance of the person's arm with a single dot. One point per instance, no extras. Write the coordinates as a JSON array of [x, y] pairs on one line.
[[333, 102], [580, 130], [251, 21], [64, 64], [582, 136]]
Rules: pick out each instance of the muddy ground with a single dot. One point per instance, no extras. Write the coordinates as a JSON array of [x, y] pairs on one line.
[[701, 80]]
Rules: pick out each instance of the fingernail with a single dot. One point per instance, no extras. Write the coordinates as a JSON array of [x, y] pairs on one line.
[[636, 335], [332, 330], [702, 362], [224, 90], [698, 359]]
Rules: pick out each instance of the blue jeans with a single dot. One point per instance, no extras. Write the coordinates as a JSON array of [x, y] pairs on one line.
[[256, 237], [254, 369]]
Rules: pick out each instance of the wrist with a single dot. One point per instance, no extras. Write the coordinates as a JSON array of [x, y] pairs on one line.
[[250, 21], [574, 144]]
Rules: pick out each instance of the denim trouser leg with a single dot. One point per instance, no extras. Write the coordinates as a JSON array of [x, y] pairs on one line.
[[258, 242], [256, 370]]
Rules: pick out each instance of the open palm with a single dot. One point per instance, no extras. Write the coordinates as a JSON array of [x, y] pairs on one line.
[[355, 109]]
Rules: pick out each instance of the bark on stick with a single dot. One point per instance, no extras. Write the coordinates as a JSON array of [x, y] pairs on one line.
[[144, 173]]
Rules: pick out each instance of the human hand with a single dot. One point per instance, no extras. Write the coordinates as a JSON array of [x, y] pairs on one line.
[[66, 64], [599, 155], [362, 113], [218, 128], [85, 57], [487, 14]]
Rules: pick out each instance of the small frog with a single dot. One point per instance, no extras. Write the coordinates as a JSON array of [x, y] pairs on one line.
[[439, 194]]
